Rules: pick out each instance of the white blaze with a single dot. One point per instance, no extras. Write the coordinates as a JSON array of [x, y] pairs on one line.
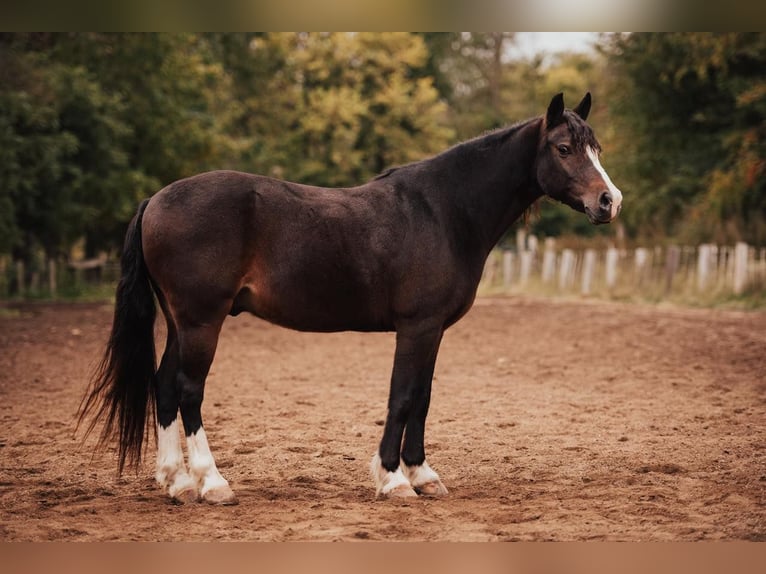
[[616, 193]]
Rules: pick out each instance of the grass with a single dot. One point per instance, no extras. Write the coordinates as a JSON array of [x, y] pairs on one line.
[[753, 299], [69, 293]]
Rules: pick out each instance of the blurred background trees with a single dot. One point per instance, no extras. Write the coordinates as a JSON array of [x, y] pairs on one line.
[[92, 123]]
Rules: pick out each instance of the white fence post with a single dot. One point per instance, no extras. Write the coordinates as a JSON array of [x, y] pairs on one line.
[[703, 265], [507, 267], [740, 266], [521, 240], [549, 260], [589, 266], [566, 270], [525, 267], [672, 261], [641, 264], [532, 242], [612, 256]]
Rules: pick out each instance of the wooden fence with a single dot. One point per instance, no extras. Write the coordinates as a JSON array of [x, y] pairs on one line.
[[701, 271], [44, 278]]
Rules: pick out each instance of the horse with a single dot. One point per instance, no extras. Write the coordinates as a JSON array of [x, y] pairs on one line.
[[403, 252]]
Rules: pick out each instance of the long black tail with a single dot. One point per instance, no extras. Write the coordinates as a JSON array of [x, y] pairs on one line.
[[121, 392]]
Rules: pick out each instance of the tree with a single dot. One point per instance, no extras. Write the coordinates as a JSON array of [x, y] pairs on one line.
[[336, 109], [93, 123], [691, 111]]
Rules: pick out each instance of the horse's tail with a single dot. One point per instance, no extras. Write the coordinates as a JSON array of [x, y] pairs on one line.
[[121, 392]]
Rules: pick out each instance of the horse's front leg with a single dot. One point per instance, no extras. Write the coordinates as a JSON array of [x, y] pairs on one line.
[[421, 476], [414, 360]]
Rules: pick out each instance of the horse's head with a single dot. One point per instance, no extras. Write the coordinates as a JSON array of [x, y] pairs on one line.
[[568, 168]]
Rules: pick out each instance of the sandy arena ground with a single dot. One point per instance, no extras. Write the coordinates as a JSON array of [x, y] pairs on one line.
[[549, 421]]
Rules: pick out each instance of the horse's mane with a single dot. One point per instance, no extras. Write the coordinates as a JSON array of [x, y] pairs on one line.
[[582, 134]]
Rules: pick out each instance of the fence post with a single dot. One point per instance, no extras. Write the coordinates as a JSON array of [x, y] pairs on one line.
[[507, 268], [762, 266], [20, 284], [521, 240], [488, 277], [672, 261], [741, 251], [532, 242], [4, 291], [549, 260], [566, 270], [612, 256], [589, 266], [52, 284], [641, 261], [703, 266], [525, 267]]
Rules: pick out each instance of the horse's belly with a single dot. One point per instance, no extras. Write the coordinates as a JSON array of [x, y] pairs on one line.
[[307, 307]]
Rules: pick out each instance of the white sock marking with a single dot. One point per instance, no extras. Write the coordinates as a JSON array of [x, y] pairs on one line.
[[386, 481], [201, 463], [419, 475], [171, 472]]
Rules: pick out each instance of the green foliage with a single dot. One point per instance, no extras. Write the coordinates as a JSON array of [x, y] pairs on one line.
[[691, 113], [340, 107]]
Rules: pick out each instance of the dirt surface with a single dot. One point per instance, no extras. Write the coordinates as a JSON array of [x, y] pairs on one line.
[[549, 421]]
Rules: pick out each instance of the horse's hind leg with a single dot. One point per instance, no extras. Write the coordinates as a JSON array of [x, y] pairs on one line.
[[171, 473], [197, 346]]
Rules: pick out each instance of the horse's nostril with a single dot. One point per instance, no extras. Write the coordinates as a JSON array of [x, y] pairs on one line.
[[605, 201]]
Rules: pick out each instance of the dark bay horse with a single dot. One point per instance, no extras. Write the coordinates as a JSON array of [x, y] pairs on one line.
[[403, 252]]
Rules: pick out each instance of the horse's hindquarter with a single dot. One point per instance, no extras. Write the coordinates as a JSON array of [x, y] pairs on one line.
[[195, 237]]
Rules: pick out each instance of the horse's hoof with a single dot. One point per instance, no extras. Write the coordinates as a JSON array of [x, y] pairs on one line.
[[186, 496], [432, 488], [402, 491], [221, 496]]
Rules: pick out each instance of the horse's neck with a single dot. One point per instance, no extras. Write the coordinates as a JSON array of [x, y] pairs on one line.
[[501, 184]]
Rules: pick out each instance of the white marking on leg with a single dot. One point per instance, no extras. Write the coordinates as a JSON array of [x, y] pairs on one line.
[[419, 474], [616, 193], [202, 466], [171, 472], [386, 481], [422, 477]]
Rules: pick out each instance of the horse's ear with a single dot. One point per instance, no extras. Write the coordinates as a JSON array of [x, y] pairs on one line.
[[555, 111], [583, 108]]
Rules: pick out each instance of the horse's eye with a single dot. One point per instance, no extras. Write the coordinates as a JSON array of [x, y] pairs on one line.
[[564, 149]]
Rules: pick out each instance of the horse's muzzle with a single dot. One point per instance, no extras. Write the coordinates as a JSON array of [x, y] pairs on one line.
[[606, 210]]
